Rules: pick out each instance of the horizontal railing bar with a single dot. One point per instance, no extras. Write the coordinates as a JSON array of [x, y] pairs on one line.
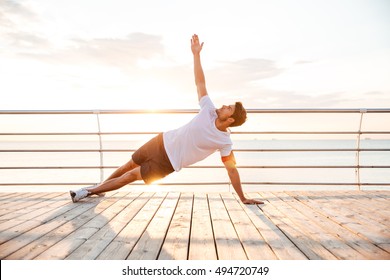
[[204, 167], [75, 133], [148, 133], [93, 112], [311, 132], [193, 111], [312, 150], [207, 184], [65, 151], [235, 150], [314, 184]]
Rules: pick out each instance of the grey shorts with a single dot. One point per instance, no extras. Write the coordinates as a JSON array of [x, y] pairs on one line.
[[153, 160]]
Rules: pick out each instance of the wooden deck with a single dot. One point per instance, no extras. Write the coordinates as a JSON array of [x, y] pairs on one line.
[[291, 225]]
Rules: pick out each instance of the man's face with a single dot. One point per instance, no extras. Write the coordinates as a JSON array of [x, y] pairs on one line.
[[225, 112]]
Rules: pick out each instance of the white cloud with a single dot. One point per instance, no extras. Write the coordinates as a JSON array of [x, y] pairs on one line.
[[111, 52], [18, 27], [233, 76]]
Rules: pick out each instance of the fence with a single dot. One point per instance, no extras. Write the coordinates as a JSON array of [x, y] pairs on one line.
[[306, 114]]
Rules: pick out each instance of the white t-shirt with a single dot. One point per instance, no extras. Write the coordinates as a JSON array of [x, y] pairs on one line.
[[197, 139]]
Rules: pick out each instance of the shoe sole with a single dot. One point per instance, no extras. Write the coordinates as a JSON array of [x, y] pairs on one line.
[[72, 196]]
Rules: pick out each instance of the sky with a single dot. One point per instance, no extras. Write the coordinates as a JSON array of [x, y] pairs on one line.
[[123, 54]]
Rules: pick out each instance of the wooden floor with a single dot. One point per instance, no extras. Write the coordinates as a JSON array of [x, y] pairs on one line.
[[291, 225]]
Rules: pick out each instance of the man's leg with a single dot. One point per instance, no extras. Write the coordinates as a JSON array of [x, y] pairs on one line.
[[130, 165], [124, 175], [117, 182]]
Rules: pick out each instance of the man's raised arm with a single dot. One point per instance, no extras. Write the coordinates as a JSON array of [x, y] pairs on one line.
[[200, 81]]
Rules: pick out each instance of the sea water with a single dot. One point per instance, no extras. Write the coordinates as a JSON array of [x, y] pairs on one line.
[[261, 178]]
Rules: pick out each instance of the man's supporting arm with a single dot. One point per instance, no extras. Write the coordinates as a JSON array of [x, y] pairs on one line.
[[200, 80], [236, 182]]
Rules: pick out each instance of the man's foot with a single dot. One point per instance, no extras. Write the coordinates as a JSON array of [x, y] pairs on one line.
[[79, 194], [92, 187]]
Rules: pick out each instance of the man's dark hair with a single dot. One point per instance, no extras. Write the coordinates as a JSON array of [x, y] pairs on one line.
[[239, 115]]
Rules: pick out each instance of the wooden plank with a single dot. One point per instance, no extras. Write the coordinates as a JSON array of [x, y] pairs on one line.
[[14, 208], [346, 216], [366, 223], [382, 195], [385, 246], [201, 245], [9, 202], [279, 213], [50, 226], [352, 222], [125, 241], [30, 213], [252, 241], [280, 244], [328, 240], [83, 228], [227, 242], [361, 245], [7, 195], [93, 247], [373, 207], [176, 243], [149, 245], [35, 201], [46, 241], [377, 197], [53, 229], [362, 207], [12, 200], [28, 225]]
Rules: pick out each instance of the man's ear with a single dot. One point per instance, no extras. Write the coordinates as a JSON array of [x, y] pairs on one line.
[[230, 120]]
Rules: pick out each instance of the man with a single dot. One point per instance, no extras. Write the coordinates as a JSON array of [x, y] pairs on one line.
[[206, 133]]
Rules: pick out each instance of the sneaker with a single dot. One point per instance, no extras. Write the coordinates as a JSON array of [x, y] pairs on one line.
[[79, 194]]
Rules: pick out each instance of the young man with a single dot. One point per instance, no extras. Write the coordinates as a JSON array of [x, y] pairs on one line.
[[206, 133]]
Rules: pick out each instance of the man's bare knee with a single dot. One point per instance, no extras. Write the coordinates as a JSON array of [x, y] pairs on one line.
[[130, 165], [131, 176]]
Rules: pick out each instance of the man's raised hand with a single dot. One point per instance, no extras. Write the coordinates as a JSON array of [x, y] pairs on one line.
[[196, 47]]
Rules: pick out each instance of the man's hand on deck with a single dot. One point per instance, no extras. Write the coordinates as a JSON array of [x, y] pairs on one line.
[[251, 201]]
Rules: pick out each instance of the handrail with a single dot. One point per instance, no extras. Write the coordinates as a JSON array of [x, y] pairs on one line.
[[204, 166], [154, 132], [193, 111], [235, 150], [99, 133]]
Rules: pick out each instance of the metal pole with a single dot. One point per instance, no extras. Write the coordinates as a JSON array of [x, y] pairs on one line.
[[100, 146], [357, 170]]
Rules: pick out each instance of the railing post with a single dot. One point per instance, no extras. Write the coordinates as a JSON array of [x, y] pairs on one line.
[[100, 145], [357, 169]]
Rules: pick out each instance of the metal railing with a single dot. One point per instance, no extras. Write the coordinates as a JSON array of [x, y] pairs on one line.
[[101, 166]]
